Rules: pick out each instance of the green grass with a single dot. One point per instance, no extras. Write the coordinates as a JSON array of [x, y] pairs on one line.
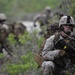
[[36, 5], [26, 5], [18, 8]]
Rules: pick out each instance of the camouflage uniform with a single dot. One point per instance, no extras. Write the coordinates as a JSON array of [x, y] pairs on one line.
[[18, 29], [4, 32], [50, 54], [43, 17], [48, 13], [49, 31]]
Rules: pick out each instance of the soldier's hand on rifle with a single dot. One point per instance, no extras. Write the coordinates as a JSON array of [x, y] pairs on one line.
[[62, 53]]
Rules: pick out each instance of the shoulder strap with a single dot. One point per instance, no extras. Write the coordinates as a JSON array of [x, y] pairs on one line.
[[57, 35]]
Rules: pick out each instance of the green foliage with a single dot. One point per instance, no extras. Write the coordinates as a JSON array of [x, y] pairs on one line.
[[27, 5], [72, 10], [24, 38], [13, 69], [40, 41], [1, 55], [27, 63], [11, 39], [29, 59], [37, 40], [20, 7], [26, 60]]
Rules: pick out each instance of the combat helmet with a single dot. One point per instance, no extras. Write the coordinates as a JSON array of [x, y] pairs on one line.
[[3, 17], [66, 20], [48, 9]]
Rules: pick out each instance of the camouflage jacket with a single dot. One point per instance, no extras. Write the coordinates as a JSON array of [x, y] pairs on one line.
[[49, 53]]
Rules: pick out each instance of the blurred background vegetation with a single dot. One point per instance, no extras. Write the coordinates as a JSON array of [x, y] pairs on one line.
[[19, 8], [23, 60]]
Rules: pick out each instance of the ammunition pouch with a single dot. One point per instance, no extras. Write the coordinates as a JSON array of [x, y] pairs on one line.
[[59, 61], [38, 59]]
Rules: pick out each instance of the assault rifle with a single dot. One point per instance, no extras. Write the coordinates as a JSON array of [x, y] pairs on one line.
[[8, 49], [69, 52], [69, 49]]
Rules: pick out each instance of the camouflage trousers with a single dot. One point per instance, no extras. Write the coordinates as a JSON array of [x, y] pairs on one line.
[[49, 68]]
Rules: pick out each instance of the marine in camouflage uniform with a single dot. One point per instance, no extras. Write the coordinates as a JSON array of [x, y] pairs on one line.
[[43, 19], [50, 54], [18, 29], [4, 32]]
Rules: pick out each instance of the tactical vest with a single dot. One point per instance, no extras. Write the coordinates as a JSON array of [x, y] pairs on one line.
[[61, 61]]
